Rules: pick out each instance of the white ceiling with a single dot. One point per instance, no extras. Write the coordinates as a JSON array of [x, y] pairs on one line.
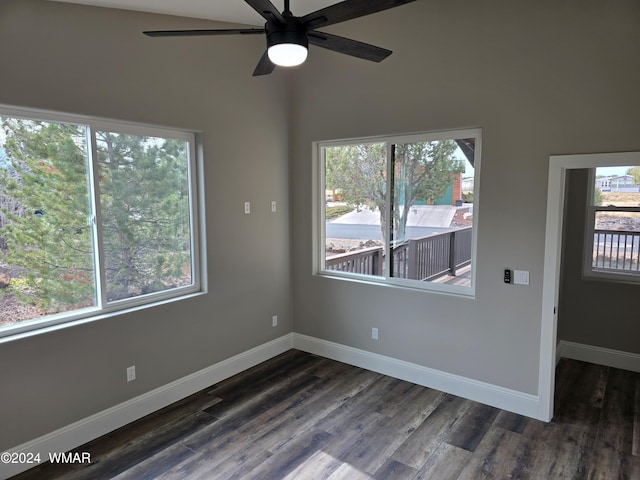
[[234, 11]]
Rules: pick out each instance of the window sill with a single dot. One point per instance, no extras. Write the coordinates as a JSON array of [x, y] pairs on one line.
[[21, 331], [402, 285]]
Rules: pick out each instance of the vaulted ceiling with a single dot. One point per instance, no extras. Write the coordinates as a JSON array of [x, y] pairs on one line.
[[234, 11]]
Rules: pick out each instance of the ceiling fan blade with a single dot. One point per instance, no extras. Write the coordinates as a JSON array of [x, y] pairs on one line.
[[266, 9], [348, 46], [347, 10], [265, 66], [197, 33]]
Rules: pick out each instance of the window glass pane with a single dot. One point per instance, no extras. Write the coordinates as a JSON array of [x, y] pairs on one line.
[[615, 217], [145, 214], [355, 208], [616, 242], [46, 245], [431, 219], [401, 210], [617, 186]]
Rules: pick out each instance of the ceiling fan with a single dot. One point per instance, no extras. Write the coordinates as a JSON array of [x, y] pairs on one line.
[[288, 36]]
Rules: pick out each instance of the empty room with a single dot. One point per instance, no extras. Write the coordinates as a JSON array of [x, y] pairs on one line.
[[413, 254]]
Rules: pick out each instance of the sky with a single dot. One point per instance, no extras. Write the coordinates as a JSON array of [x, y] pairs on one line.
[[608, 171]]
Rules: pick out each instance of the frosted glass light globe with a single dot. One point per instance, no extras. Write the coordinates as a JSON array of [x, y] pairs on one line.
[[287, 54]]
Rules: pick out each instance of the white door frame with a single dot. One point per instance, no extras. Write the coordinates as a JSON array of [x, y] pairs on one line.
[[558, 166]]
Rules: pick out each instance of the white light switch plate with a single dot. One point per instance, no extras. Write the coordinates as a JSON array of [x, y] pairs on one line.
[[521, 277]]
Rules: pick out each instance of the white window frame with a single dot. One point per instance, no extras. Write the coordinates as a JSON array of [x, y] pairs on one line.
[[104, 309], [588, 271], [319, 222]]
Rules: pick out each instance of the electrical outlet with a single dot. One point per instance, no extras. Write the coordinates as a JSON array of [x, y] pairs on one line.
[[374, 333], [131, 373], [274, 321], [247, 208], [273, 206]]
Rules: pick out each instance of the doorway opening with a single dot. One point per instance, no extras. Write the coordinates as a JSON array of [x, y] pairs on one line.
[[558, 167]]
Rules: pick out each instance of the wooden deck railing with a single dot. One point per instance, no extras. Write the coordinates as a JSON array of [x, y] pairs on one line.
[[616, 251], [424, 258], [367, 261]]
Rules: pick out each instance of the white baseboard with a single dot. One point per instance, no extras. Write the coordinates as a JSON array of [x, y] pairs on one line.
[[599, 355], [500, 397], [92, 427]]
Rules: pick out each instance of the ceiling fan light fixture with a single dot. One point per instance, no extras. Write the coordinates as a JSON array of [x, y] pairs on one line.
[[287, 44], [287, 54]]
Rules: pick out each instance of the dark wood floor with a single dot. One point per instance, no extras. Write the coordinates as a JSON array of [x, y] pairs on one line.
[[299, 416]]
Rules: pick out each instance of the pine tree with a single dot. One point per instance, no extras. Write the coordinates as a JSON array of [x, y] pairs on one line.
[[144, 207], [47, 231]]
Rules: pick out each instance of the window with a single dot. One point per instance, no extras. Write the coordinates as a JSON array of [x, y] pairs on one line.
[[94, 217], [612, 248], [393, 209]]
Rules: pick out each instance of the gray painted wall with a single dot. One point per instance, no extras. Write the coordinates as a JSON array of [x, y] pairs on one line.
[[95, 61], [540, 78], [592, 312]]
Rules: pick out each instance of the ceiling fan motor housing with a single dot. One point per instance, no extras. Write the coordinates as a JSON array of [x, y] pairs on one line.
[[292, 31]]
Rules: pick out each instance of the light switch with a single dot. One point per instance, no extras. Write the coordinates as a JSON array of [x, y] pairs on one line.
[[521, 277], [247, 208]]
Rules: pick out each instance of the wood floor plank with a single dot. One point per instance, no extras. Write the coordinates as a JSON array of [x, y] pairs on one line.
[[468, 432], [397, 397], [326, 367], [229, 464], [559, 450], [614, 439], [369, 397], [347, 418], [445, 463], [348, 472], [231, 435], [498, 456], [431, 433], [394, 470], [313, 413], [580, 393], [326, 462], [370, 451], [236, 467], [296, 454], [163, 439], [511, 421], [634, 467]]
